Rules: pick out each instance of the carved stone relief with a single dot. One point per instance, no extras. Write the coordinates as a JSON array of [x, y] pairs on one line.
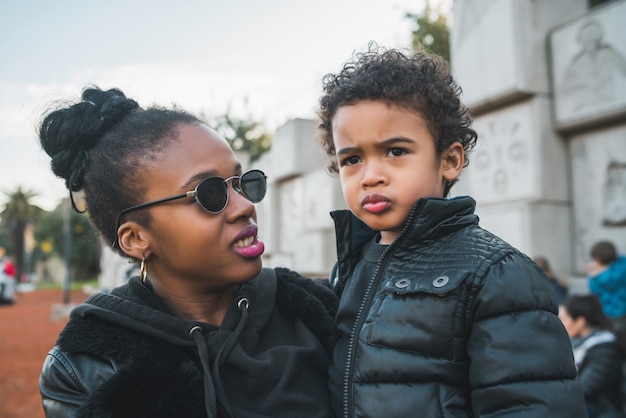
[[591, 76], [615, 194], [589, 68]]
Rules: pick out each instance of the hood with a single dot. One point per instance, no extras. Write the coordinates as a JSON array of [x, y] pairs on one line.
[[136, 307]]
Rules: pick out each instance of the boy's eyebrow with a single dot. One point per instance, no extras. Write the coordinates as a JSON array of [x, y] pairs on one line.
[[347, 150], [395, 140], [382, 144]]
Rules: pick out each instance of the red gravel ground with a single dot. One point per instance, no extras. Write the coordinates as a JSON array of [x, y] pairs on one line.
[[27, 332]]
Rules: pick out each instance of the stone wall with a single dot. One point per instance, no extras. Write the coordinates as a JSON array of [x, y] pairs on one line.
[[588, 64], [294, 220], [546, 84]]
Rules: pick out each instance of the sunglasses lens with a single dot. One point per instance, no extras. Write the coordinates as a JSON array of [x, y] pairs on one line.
[[254, 185], [212, 194]]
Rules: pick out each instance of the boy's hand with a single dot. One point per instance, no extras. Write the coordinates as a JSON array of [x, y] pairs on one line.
[[594, 267]]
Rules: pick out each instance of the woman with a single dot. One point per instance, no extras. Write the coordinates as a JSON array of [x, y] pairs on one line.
[[204, 330], [597, 354]]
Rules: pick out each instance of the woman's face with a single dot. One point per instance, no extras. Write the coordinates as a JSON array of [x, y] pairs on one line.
[[574, 327], [208, 251]]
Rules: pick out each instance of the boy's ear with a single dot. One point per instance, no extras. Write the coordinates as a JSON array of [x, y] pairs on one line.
[[453, 159], [134, 240]]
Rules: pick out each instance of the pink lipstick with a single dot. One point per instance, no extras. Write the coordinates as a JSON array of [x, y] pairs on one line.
[[247, 244]]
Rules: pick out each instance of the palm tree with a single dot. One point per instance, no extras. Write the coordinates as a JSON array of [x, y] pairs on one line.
[[17, 213]]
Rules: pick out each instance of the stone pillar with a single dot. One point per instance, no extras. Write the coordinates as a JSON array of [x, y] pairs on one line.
[[518, 173], [588, 63], [294, 221]]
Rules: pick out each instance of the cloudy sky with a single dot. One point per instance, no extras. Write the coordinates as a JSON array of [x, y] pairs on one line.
[[203, 55]]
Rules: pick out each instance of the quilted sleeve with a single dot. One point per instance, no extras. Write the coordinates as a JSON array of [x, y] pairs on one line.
[[521, 357]]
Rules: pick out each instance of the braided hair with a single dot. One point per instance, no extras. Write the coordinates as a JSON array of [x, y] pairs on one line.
[[99, 143]]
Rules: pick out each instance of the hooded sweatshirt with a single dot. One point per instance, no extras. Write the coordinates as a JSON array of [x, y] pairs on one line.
[[124, 354]]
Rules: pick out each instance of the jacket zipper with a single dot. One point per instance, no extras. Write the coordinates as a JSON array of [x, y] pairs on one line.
[[358, 323]]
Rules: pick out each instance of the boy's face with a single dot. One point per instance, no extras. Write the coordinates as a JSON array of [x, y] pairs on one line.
[[387, 161]]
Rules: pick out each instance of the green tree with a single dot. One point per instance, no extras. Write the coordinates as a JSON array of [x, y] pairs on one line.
[[5, 241], [85, 244], [243, 134], [431, 32], [17, 214]]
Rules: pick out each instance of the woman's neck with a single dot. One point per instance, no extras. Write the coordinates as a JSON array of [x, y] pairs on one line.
[[191, 305]]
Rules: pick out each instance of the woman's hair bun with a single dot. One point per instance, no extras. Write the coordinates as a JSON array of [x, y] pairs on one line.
[[67, 134], [112, 105]]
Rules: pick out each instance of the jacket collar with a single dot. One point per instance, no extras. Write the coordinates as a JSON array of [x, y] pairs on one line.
[[430, 218]]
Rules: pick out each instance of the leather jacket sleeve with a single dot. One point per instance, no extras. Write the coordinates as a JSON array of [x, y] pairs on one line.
[[67, 380]]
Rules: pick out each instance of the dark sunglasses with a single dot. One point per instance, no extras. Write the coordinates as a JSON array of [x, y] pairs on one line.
[[212, 193]]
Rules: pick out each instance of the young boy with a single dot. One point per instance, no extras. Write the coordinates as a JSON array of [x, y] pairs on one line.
[[438, 317]]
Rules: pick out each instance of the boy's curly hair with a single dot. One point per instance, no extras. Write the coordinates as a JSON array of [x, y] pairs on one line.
[[416, 81]]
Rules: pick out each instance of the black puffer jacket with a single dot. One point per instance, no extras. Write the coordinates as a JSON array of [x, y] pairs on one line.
[[454, 323], [125, 355]]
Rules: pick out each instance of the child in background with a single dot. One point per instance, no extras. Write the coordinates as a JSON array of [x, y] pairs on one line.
[[607, 280], [438, 317]]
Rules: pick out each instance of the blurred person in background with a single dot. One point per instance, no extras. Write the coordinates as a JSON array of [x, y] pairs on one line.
[[7, 281], [607, 280], [560, 285], [597, 354]]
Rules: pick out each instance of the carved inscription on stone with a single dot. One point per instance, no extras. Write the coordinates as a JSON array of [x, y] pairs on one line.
[[500, 165]]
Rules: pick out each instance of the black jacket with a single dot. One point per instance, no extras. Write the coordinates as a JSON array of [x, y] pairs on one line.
[[599, 360], [124, 355], [454, 323]]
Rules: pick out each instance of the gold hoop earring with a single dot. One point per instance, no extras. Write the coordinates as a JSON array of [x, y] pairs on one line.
[[143, 270]]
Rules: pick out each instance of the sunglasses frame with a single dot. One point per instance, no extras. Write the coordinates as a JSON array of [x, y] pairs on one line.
[[194, 193]]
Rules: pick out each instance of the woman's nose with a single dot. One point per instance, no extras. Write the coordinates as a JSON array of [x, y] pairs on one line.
[[238, 205]]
